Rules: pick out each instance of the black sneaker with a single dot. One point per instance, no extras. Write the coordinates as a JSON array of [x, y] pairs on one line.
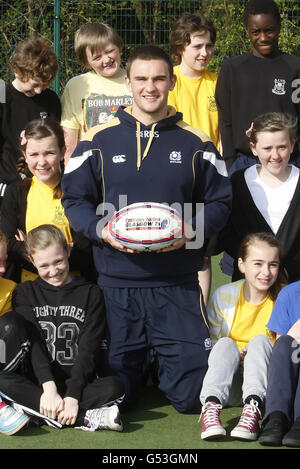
[[292, 438], [272, 433]]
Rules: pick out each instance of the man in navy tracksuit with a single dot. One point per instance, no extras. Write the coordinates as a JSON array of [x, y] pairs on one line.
[[148, 154]]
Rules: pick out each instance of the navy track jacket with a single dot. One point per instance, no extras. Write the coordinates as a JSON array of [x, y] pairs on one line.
[[123, 162]]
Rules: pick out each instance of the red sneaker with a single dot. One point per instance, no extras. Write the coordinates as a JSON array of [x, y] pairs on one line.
[[211, 424], [248, 427]]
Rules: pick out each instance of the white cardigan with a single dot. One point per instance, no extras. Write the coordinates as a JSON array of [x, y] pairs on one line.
[[221, 309]]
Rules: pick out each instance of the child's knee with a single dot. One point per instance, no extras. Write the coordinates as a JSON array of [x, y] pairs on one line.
[[226, 342], [260, 341], [285, 344], [118, 388], [14, 340], [224, 347], [11, 323], [187, 406]]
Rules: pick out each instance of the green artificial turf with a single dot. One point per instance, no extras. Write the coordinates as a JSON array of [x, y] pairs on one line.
[[152, 425]]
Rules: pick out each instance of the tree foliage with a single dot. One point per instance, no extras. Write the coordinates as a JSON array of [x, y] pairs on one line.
[[137, 21]]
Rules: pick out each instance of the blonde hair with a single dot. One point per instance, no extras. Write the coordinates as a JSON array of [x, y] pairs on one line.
[[273, 122], [35, 58], [42, 237], [95, 36]]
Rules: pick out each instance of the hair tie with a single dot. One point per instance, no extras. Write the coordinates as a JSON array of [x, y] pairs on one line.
[[23, 138], [250, 130]]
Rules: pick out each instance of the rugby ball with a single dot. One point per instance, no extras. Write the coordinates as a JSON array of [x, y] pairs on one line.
[[146, 226]]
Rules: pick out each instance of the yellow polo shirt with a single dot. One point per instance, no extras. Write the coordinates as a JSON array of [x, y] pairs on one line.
[[6, 289], [43, 208], [195, 98], [250, 320]]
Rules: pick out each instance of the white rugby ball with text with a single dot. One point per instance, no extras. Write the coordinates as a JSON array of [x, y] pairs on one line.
[[146, 226]]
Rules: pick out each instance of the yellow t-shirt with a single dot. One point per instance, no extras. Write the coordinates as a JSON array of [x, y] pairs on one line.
[[43, 208], [6, 289], [195, 98], [90, 99], [250, 320]]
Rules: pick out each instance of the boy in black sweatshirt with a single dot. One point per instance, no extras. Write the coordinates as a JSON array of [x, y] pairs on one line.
[[259, 81], [61, 320], [28, 97]]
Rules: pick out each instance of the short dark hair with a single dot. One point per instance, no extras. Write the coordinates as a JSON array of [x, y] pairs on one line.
[[149, 53], [187, 24], [258, 7]]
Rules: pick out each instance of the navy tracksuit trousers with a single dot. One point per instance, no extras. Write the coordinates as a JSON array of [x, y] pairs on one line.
[[172, 321], [283, 391]]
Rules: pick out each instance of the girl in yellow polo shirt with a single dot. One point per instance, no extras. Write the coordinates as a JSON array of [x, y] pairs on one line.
[[37, 200], [238, 314]]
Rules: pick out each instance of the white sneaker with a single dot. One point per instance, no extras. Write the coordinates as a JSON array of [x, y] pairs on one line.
[[105, 418], [11, 421]]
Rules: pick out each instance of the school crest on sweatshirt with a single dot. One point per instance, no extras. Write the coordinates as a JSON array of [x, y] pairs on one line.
[[212, 105], [279, 86], [59, 216]]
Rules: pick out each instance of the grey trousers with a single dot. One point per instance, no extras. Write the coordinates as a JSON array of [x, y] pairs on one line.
[[224, 378]]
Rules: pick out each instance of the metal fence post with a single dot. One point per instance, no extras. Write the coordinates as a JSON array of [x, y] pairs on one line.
[[56, 37]]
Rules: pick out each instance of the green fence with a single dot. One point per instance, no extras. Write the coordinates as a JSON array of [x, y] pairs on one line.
[[137, 21]]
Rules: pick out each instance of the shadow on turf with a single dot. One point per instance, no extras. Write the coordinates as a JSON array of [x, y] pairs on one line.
[[33, 430], [151, 398]]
